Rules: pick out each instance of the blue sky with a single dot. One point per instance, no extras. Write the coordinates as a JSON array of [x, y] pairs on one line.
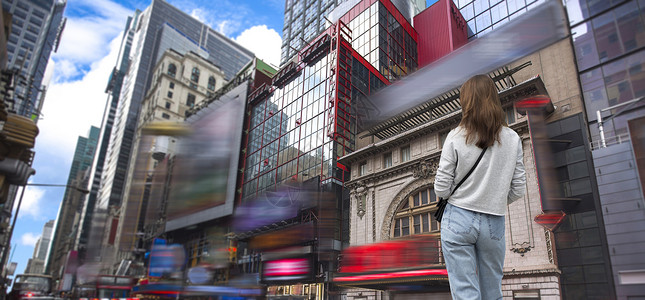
[[78, 74]]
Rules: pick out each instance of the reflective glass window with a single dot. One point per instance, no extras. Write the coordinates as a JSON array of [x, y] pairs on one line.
[[631, 29], [480, 6], [594, 93], [499, 12], [597, 6], [194, 75], [576, 10], [483, 21], [606, 35], [585, 46], [405, 153], [172, 70], [467, 12], [211, 83], [387, 160]]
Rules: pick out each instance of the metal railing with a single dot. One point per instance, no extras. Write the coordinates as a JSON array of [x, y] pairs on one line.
[[596, 144]]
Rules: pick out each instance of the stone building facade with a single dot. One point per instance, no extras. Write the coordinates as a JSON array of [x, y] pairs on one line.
[[392, 179]]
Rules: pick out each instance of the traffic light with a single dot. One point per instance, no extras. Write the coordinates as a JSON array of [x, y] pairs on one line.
[[232, 254]]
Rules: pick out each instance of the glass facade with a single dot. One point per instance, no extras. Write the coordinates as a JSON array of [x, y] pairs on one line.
[[609, 40], [581, 246], [482, 16], [302, 127], [305, 19], [383, 42]]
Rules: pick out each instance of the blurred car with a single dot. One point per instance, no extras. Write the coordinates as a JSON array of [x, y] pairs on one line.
[[31, 286]]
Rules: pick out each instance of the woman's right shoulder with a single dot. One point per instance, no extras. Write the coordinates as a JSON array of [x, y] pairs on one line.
[[508, 134]]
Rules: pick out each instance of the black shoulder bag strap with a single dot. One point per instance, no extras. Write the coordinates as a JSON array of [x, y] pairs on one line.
[[441, 206]]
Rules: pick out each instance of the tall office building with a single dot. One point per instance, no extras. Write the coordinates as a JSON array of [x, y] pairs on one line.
[[36, 27], [306, 19], [35, 265], [148, 34], [113, 90], [179, 83], [609, 43], [69, 212]]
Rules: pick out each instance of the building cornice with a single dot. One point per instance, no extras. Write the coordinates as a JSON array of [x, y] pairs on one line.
[[536, 272], [530, 87], [421, 167]]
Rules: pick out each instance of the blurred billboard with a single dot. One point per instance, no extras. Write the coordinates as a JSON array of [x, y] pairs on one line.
[[540, 27], [204, 174]]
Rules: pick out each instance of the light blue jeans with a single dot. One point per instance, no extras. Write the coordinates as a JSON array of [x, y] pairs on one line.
[[473, 247]]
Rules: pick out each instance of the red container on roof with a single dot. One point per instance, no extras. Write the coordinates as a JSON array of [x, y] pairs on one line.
[[441, 29]]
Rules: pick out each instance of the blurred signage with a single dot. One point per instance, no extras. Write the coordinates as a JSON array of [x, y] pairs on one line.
[[11, 268], [288, 269], [199, 275], [553, 203], [416, 258], [283, 203], [166, 259], [550, 220], [391, 255], [289, 236], [288, 265]]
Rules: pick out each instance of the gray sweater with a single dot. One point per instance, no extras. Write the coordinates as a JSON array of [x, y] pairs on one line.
[[498, 180]]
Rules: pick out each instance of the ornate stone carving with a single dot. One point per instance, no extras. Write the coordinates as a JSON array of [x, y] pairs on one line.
[[425, 168], [360, 194], [373, 216], [521, 248], [549, 249]]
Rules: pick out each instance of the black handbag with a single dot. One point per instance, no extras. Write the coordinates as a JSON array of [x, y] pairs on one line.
[[441, 206]]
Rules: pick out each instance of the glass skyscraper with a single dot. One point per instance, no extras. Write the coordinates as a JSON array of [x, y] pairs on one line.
[[306, 19], [608, 37], [66, 226], [36, 26], [308, 120]]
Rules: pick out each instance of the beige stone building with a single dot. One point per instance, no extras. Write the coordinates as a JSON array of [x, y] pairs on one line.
[[393, 168], [179, 82]]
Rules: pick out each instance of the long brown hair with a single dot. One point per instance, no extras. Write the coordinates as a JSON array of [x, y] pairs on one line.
[[482, 113]]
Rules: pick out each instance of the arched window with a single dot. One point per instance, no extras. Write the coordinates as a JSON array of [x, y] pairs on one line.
[[194, 75], [211, 83], [172, 70], [415, 214]]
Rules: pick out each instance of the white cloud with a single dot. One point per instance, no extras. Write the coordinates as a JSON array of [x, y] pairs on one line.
[[72, 107], [262, 41], [201, 15], [86, 38], [29, 239], [224, 27], [63, 69], [31, 202]]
